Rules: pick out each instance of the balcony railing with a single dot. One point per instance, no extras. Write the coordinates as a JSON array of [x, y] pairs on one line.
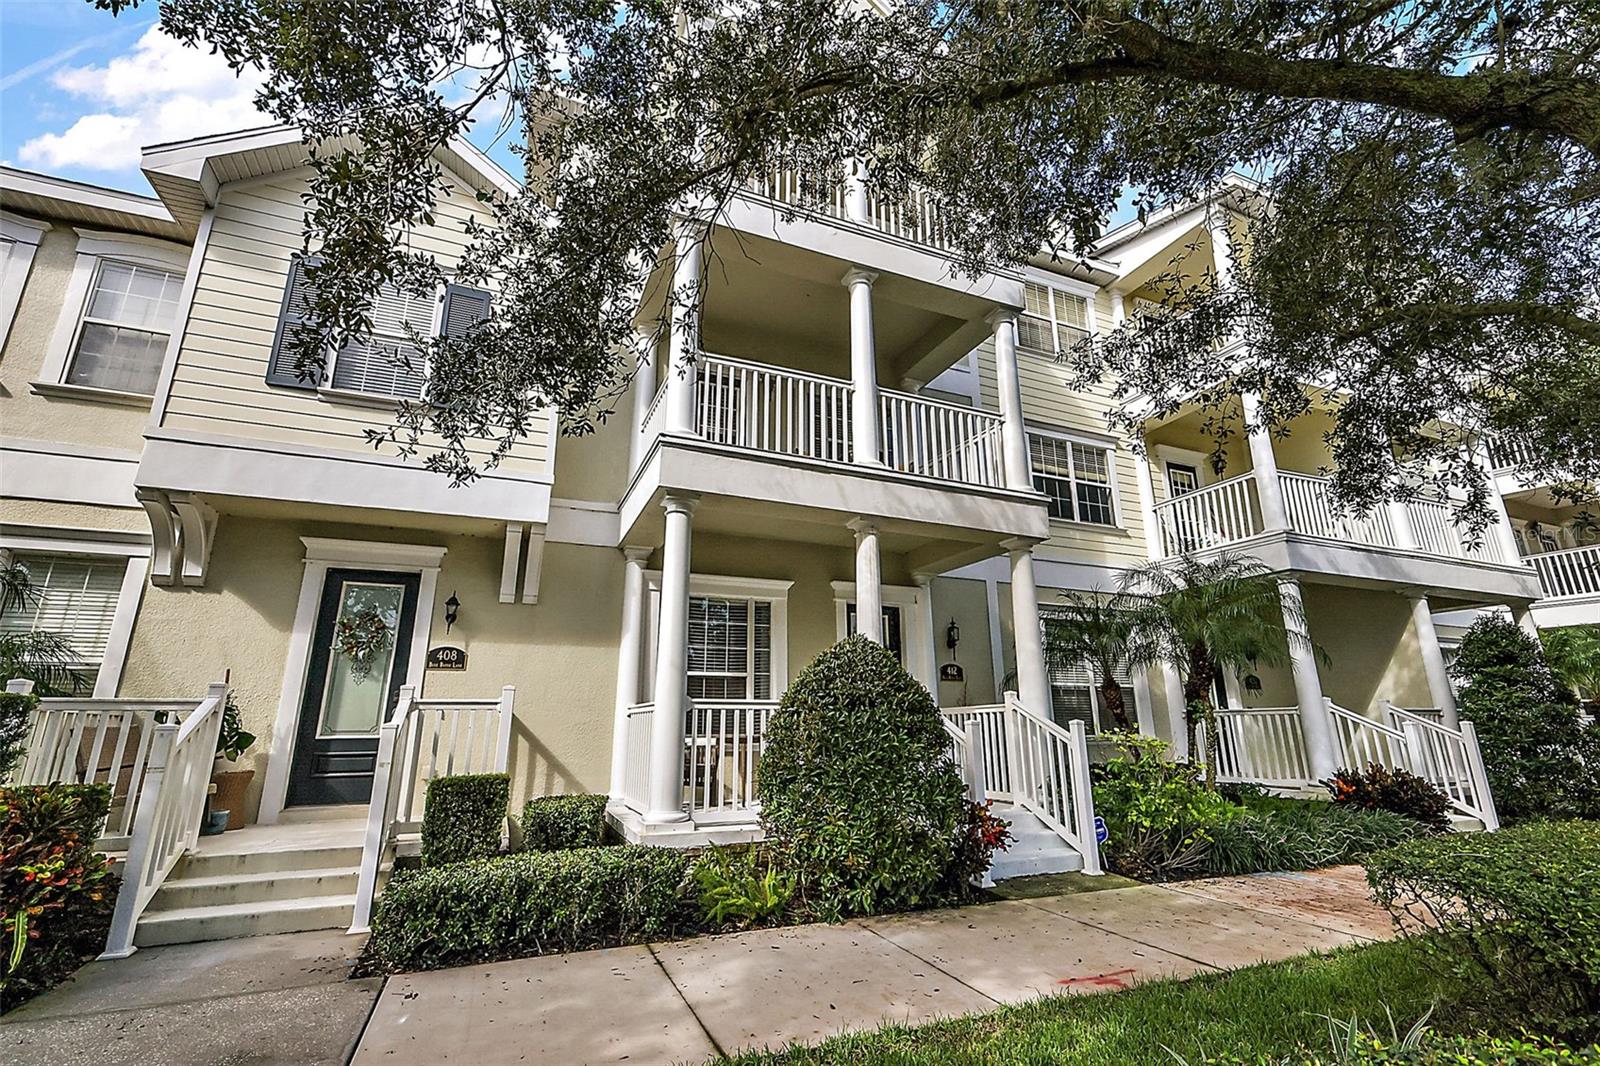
[[721, 748], [1211, 517], [1569, 573], [786, 412], [1309, 501], [919, 219]]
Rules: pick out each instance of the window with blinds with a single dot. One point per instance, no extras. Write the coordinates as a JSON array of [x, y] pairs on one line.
[[1052, 320], [1076, 477], [386, 362], [75, 597], [730, 648], [123, 336]]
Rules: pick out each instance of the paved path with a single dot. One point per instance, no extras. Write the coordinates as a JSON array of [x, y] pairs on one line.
[[686, 1000], [260, 1001]]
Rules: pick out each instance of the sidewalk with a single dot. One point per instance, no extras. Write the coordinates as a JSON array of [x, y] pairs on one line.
[[687, 1000]]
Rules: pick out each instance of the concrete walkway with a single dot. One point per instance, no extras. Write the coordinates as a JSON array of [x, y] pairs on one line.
[[260, 1000], [687, 1000]]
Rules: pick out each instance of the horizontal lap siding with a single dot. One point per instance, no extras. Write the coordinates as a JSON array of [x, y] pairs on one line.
[[1048, 401], [220, 382]]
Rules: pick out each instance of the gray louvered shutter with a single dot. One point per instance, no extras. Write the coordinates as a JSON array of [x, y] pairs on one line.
[[464, 307], [297, 296]]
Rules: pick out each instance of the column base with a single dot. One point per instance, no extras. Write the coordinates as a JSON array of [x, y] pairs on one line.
[[665, 817]]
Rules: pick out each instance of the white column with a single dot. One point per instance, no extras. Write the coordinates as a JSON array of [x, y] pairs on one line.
[[863, 369], [926, 658], [1147, 500], [644, 390], [1033, 682], [856, 206], [1231, 688], [869, 581], [1502, 534], [1013, 431], [1221, 247], [684, 341], [1274, 515], [1439, 690], [672, 667], [1177, 711], [1523, 616], [1315, 721], [1143, 708], [628, 666]]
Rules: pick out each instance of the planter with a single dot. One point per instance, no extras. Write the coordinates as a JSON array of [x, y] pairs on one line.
[[231, 788]]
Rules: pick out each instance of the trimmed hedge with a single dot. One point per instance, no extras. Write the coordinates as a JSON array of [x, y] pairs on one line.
[[464, 817], [531, 903], [1516, 914], [553, 823], [53, 882]]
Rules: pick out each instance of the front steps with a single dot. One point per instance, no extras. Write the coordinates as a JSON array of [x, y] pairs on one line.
[[1035, 848], [286, 878]]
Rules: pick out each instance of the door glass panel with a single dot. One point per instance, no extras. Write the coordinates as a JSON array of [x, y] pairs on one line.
[[1182, 479], [353, 703]]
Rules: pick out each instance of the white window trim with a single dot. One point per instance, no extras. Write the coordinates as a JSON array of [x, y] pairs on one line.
[[93, 247], [1110, 447], [25, 234], [129, 596], [747, 588], [1168, 453], [382, 399], [321, 555], [915, 635], [1083, 291]]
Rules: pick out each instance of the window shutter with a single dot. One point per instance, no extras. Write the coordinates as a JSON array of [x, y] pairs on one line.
[[297, 296], [464, 307]]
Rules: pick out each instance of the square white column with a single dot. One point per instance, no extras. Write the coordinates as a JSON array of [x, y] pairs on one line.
[[628, 661]]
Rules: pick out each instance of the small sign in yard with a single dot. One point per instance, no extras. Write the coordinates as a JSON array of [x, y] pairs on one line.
[[1100, 831], [447, 658]]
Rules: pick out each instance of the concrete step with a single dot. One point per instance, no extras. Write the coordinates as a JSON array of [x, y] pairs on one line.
[[1035, 848], [189, 925], [213, 862], [187, 892], [328, 812], [1465, 823]]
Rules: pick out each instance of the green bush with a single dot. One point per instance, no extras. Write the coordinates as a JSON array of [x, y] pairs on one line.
[[531, 903], [1302, 835], [1541, 759], [1516, 913], [463, 817], [16, 714], [1159, 817], [742, 888], [859, 799], [1380, 789], [56, 892], [551, 823]]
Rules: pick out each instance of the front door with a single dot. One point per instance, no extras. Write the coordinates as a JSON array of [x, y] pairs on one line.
[[891, 629], [359, 653]]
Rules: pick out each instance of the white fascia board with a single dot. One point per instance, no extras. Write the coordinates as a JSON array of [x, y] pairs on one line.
[[583, 522], [61, 190], [250, 469], [67, 473]]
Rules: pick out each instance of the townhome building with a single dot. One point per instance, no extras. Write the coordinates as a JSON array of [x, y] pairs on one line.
[[845, 435]]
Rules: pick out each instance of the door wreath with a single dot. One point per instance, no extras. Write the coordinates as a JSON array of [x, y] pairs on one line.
[[362, 637]]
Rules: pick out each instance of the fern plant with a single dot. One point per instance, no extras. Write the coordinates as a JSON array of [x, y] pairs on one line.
[[742, 888]]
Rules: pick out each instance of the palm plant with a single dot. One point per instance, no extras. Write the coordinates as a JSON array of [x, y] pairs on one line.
[[1205, 615], [1106, 631], [1573, 652], [47, 659]]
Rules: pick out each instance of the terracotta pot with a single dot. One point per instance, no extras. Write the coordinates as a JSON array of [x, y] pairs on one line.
[[231, 787]]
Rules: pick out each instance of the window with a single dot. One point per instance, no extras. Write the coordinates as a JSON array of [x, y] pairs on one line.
[[1052, 320], [75, 599], [123, 336], [1182, 479], [1076, 477], [730, 648]]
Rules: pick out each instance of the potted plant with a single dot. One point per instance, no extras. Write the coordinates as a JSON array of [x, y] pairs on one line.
[[232, 742]]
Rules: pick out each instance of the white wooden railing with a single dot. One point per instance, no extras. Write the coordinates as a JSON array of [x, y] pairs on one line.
[[636, 765], [1568, 573], [788, 185], [941, 440], [1433, 525], [1210, 517], [770, 409], [1508, 455], [1309, 501], [1450, 758], [1360, 741], [422, 740], [723, 743], [920, 218], [995, 764], [966, 751], [1261, 744], [96, 742], [171, 802], [1051, 778]]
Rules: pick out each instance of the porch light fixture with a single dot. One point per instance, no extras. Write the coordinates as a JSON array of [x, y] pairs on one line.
[[1252, 683], [952, 635], [452, 608]]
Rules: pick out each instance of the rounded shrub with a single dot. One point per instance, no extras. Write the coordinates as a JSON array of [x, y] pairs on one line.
[[859, 800]]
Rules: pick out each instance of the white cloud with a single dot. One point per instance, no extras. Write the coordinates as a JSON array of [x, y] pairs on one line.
[[160, 91]]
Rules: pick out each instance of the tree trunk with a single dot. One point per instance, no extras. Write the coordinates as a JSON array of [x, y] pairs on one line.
[[1198, 707], [1111, 699]]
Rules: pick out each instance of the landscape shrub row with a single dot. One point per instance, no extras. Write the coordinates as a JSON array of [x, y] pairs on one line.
[[551, 823], [464, 817]]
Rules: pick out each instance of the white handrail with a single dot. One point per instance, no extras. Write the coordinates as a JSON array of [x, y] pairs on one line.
[[966, 751], [1210, 517], [1569, 572], [995, 761], [172, 799], [771, 409], [1309, 501], [477, 741], [723, 743], [1051, 778], [1433, 524], [1265, 745], [940, 440], [1451, 759], [1360, 741]]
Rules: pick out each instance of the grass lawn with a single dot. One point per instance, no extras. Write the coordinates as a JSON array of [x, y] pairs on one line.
[[1267, 1009]]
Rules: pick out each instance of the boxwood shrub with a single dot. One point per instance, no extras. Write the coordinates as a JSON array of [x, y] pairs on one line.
[[464, 817], [1515, 914], [550, 823], [531, 903]]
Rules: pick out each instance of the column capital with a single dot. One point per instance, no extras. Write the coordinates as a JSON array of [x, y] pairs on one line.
[[1014, 545], [862, 527], [922, 579], [684, 503], [856, 276], [636, 553], [1001, 315]]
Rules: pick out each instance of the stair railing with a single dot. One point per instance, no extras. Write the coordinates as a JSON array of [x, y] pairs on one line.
[[966, 750], [1050, 777], [1451, 759]]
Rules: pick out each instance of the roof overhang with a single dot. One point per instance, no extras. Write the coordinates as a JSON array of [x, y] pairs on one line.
[[30, 193]]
